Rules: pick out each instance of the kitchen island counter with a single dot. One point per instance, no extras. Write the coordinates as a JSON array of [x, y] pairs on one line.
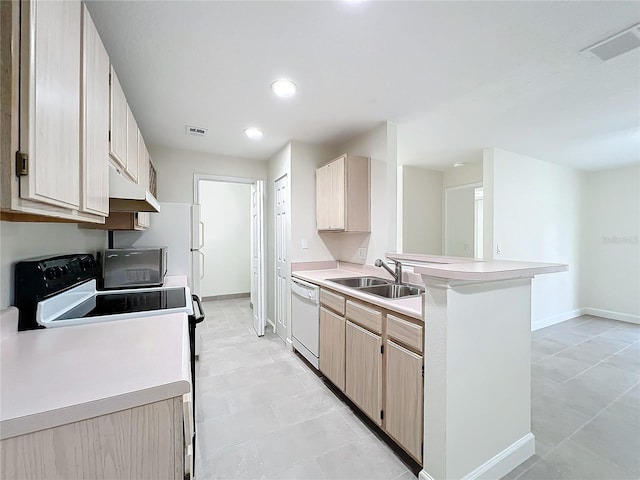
[[51, 377]]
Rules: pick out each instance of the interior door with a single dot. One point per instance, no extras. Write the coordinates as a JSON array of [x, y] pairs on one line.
[[257, 266], [282, 248]]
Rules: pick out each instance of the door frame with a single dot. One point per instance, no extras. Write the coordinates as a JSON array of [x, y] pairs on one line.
[[259, 183]]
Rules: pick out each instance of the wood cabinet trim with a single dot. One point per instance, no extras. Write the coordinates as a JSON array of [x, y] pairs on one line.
[[407, 333], [332, 301], [365, 316]]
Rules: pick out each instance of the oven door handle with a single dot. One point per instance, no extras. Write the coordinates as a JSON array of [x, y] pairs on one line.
[[198, 318]]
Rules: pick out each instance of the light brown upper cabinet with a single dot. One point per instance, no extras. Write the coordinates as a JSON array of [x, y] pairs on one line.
[[132, 146], [343, 194], [47, 147], [95, 119], [117, 123]]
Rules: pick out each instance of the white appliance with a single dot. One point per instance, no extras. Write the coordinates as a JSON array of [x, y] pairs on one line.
[[178, 227], [305, 320]]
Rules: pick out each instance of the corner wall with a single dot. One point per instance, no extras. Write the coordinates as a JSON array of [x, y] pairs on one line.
[[421, 210], [536, 216], [610, 279], [22, 240]]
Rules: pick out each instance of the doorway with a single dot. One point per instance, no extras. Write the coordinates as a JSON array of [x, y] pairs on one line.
[[463, 222], [232, 235]]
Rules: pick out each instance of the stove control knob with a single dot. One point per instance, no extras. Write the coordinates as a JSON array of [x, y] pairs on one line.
[[64, 270], [57, 272], [49, 273]]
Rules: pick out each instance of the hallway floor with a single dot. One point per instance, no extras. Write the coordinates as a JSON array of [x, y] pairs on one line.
[[263, 414]]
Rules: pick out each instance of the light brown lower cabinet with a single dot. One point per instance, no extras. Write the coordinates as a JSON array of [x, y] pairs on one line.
[[142, 442], [404, 402], [332, 347], [364, 370]]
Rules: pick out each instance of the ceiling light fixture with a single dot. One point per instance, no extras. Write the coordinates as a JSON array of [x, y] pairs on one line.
[[458, 164], [253, 133], [284, 88]]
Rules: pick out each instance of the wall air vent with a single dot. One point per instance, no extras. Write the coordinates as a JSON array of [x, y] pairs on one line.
[[615, 45], [197, 131]]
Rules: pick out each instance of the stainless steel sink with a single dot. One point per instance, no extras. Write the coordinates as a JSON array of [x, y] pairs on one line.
[[360, 282], [394, 290]]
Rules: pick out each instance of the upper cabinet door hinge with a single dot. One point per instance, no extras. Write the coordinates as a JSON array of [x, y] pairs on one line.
[[381, 348], [109, 135], [22, 164], [423, 371], [109, 78]]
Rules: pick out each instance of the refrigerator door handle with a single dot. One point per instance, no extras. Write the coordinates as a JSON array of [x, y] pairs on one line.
[[201, 234]]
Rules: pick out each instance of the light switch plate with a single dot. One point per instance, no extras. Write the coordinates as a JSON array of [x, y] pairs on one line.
[[305, 244], [362, 253]]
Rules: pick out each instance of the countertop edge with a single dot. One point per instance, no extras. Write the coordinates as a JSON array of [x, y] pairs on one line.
[[75, 413]]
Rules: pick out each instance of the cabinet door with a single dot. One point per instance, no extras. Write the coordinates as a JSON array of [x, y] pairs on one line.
[[50, 96], [132, 145], [337, 205], [95, 120], [323, 197], [404, 404], [332, 347], [363, 383], [117, 122], [143, 162]]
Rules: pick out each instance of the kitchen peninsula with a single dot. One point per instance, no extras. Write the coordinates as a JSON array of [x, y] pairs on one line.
[[476, 318]]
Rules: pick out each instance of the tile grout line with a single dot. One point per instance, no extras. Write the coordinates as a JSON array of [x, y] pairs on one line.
[[580, 428]]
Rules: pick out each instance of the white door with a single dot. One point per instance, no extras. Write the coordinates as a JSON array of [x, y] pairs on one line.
[[257, 265], [282, 274]]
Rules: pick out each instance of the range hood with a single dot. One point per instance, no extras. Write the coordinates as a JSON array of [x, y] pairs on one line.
[[126, 196]]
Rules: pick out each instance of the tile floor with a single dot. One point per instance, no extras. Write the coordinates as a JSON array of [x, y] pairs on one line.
[[263, 414]]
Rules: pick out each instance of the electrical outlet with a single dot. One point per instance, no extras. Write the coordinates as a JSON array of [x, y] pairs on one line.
[[362, 253]]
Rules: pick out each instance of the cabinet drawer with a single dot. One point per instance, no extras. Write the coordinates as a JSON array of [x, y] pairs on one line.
[[332, 301], [364, 316], [407, 333]]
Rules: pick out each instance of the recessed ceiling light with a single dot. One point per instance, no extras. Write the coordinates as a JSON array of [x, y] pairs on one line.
[[253, 133], [458, 164], [284, 88]]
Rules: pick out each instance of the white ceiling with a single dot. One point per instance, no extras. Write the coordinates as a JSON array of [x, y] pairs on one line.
[[455, 76]]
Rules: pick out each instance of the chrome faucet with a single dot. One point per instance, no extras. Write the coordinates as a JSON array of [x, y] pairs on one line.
[[397, 275]]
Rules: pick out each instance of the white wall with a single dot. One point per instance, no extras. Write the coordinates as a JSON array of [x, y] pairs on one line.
[[610, 246], [20, 241], [380, 145], [305, 158], [175, 169], [421, 210], [464, 175], [226, 214], [278, 165], [536, 209]]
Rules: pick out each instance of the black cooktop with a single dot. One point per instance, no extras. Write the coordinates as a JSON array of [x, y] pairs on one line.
[[117, 303]]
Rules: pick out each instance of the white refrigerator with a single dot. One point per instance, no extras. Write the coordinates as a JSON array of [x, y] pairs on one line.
[[178, 227]]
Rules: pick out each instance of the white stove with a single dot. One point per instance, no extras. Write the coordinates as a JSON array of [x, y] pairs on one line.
[[85, 304]]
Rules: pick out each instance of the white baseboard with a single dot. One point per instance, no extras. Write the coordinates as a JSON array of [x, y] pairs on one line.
[[623, 317], [548, 321], [501, 464]]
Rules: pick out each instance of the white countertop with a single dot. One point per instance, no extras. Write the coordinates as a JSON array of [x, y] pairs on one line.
[[411, 307], [51, 377], [451, 268]]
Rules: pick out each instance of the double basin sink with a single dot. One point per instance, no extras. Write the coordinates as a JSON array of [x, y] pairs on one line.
[[379, 286]]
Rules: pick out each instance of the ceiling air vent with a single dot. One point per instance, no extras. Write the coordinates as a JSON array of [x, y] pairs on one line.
[[197, 131], [615, 45]]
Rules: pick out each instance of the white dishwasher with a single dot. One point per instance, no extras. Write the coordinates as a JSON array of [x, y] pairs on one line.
[[305, 320]]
